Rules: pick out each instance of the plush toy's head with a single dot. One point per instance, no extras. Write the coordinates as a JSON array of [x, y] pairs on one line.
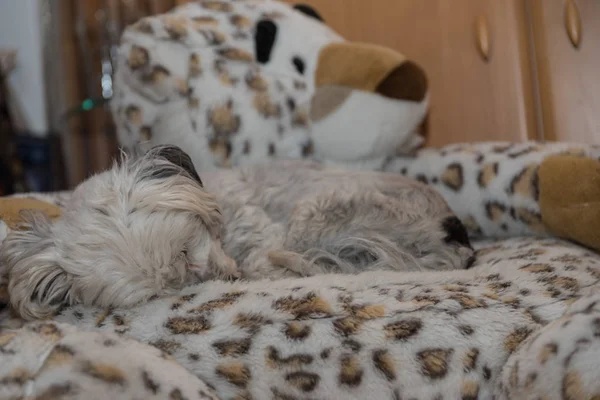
[[237, 82]]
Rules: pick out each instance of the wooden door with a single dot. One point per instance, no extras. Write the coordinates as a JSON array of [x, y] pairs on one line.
[[471, 99], [569, 74]]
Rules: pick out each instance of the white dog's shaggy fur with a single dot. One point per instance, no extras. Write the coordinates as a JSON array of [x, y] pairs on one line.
[[148, 227]]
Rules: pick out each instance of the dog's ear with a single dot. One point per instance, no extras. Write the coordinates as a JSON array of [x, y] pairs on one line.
[[176, 156], [37, 284]]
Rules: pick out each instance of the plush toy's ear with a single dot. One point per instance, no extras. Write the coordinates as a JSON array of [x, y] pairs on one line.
[[264, 39], [308, 10]]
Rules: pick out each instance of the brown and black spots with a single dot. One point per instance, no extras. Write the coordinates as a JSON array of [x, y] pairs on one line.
[[525, 183], [61, 354], [256, 82], [470, 359], [182, 300], [425, 300], [213, 37], [219, 6], [495, 211], [133, 114], [351, 373], [157, 75], [175, 26], [146, 133], [274, 359], [514, 339], [17, 376], [204, 21], [235, 54], [502, 148], [537, 268], [466, 330], [221, 148], [236, 373], [138, 58], [265, 106], [247, 147], [403, 329], [224, 120], [274, 15], [143, 26], [226, 300], [384, 363], [352, 345], [532, 219], [453, 177], [308, 306], [167, 346], [528, 150], [297, 330], [368, 311], [241, 22], [48, 330], [149, 383], [57, 391], [176, 394], [188, 325], [348, 326], [468, 302], [232, 347], [302, 380], [548, 351], [470, 390], [434, 362], [565, 282], [105, 372], [472, 225], [195, 66], [308, 149], [300, 117], [225, 77], [251, 321], [271, 149], [487, 174], [325, 353]]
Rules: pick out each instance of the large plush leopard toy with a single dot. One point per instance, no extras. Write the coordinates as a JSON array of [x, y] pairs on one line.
[[239, 82]]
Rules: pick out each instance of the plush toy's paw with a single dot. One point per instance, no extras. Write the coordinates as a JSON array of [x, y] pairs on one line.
[[11, 208], [570, 198]]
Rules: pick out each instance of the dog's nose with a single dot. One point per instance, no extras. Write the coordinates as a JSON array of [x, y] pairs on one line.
[[455, 231], [406, 82]]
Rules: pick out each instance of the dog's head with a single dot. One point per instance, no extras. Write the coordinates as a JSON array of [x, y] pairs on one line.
[[143, 228]]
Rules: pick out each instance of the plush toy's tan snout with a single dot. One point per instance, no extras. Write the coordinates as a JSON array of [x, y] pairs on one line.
[[370, 68]]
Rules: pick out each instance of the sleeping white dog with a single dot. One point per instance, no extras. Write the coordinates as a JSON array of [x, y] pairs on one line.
[[148, 227]]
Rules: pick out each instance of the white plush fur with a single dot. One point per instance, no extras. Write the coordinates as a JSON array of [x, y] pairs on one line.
[[147, 227]]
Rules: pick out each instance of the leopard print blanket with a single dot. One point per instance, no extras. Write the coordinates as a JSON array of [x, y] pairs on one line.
[[524, 323]]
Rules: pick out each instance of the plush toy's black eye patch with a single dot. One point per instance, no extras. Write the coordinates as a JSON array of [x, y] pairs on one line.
[[264, 39], [299, 64], [308, 10]]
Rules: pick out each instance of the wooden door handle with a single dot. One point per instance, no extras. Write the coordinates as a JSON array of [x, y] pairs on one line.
[[573, 22], [482, 34]]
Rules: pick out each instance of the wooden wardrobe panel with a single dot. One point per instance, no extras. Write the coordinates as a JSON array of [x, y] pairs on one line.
[[471, 99], [569, 77]]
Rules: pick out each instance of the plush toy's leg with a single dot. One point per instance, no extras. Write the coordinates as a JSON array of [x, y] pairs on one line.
[[562, 361], [570, 198]]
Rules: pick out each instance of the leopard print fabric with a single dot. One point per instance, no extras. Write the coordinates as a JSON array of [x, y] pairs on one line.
[[189, 77], [46, 360], [492, 187], [391, 335]]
